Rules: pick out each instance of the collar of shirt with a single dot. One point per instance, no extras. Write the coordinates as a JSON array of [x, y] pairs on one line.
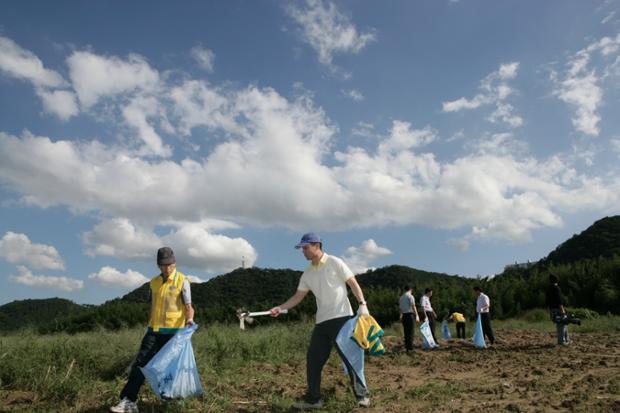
[[170, 277], [322, 262]]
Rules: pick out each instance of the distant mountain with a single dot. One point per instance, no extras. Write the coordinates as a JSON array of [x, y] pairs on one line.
[[588, 265], [35, 313], [601, 239]]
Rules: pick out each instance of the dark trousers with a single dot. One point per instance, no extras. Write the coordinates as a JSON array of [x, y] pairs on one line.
[[485, 319], [408, 321], [460, 329], [321, 343], [151, 344], [431, 323]]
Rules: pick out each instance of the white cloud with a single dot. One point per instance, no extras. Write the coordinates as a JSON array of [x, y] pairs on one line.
[[26, 277], [353, 94], [136, 114], [18, 249], [359, 258], [204, 57], [95, 77], [113, 278], [580, 86], [403, 137], [615, 144], [193, 243], [61, 103], [328, 31], [23, 64], [495, 91]]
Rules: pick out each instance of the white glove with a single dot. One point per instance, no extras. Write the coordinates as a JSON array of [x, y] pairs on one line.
[[275, 311], [362, 310]]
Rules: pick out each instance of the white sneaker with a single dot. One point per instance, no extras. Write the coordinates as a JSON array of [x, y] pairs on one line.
[[125, 406], [363, 402]]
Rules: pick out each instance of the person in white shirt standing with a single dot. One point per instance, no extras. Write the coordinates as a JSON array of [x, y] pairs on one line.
[[327, 277], [483, 306], [429, 313]]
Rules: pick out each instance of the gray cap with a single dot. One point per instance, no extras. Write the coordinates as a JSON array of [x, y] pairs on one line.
[[165, 256]]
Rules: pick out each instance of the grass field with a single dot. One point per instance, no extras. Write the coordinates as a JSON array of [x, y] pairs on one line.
[[263, 369]]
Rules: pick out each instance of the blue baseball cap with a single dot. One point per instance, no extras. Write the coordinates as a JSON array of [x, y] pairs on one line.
[[309, 238]]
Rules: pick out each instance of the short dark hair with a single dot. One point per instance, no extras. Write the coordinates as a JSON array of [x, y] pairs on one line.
[[476, 288], [553, 279], [407, 288], [428, 290]]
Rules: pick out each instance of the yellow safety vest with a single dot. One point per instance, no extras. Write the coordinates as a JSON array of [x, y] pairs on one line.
[[458, 317], [167, 308]]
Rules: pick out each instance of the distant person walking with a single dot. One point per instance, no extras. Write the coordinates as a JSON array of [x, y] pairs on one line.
[[483, 307], [459, 319], [408, 316], [327, 277], [429, 313], [555, 303], [171, 310]]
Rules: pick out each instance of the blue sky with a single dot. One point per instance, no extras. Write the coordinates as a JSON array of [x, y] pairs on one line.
[[450, 136]]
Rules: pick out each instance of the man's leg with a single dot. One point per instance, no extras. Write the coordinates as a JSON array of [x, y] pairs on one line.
[[151, 344], [487, 330], [408, 329], [318, 354], [460, 330], [431, 324]]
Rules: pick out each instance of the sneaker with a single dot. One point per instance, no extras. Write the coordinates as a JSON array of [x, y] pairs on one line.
[[304, 405], [363, 402], [125, 406]]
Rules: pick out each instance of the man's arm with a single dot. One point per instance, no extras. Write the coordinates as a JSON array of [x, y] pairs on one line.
[[189, 314], [356, 290], [290, 303], [415, 310]]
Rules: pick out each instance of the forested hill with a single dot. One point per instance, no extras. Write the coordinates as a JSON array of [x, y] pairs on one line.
[[588, 265], [601, 239]]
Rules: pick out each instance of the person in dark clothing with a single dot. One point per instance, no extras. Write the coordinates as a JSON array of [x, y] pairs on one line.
[[408, 313], [555, 304]]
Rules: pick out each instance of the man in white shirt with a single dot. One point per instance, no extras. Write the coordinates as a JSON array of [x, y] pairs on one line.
[[483, 306], [406, 304], [327, 277], [429, 313]]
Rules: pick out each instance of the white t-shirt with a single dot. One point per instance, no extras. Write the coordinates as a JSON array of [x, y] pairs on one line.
[[483, 301], [425, 302], [327, 281]]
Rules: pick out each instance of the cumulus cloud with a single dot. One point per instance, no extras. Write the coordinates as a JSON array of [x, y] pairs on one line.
[[94, 77], [18, 249], [23, 64], [193, 243], [204, 57], [61, 103], [264, 138], [112, 278], [26, 277], [494, 91], [580, 85], [359, 258], [328, 31]]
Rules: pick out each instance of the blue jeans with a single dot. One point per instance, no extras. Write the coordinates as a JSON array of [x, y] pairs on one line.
[[561, 328]]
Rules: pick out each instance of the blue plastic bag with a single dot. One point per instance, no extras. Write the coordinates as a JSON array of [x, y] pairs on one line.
[[478, 337], [351, 351], [172, 373], [445, 331], [427, 336]]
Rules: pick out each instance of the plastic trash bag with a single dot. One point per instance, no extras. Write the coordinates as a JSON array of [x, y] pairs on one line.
[[445, 331], [172, 373], [427, 336], [478, 337], [351, 351]]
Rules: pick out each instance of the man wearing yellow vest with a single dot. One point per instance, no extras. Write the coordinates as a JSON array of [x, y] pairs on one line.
[[171, 310], [327, 277], [459, 318]]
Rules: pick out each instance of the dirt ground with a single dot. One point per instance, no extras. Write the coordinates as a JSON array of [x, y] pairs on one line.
[[523, 372]]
